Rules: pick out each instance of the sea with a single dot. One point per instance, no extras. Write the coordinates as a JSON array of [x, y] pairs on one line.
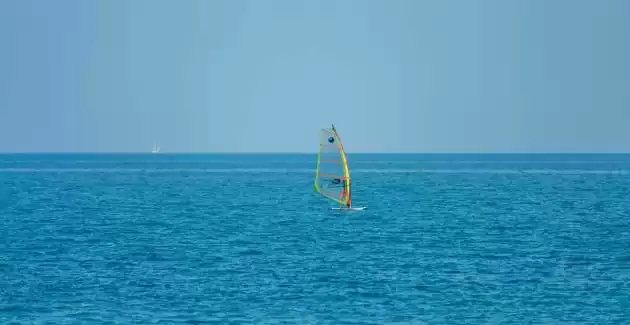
[[245, 239]]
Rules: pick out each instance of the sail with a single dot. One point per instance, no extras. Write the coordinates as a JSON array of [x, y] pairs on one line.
[[332, 179]]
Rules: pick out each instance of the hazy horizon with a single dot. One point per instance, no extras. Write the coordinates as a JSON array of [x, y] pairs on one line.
[[297, 153]]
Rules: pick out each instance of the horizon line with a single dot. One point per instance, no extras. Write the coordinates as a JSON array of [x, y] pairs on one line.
[[309, 153]]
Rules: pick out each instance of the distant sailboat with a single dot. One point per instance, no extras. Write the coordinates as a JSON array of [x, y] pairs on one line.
[[332, 178], [156, 148]]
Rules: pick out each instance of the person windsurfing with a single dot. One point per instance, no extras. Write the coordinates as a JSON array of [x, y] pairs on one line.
[[345, 191]]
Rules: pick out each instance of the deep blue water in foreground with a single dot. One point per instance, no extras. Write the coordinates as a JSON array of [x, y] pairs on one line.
[[243, 239]]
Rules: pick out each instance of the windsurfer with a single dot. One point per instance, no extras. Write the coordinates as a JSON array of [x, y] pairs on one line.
[[345, 194]]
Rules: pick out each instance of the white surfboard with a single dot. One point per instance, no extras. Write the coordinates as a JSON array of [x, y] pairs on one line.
[[350, 209]]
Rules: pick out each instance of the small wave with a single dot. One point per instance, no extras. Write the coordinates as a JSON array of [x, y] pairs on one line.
[[489, 162], [306, 170], [492, 171], [151, 170]]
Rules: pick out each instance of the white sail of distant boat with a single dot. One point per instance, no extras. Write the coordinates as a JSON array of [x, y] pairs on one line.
[[156, 148]]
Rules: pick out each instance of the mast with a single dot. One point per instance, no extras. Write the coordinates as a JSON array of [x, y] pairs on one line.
[[347, 189]]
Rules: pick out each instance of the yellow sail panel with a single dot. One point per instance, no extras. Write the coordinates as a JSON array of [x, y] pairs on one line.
[[332, 179], [344, 157]]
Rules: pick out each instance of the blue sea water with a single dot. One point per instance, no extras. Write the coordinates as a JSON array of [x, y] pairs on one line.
[[243, 239]]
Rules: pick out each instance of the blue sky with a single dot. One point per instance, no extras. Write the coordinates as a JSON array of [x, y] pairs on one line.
[[247, 75]]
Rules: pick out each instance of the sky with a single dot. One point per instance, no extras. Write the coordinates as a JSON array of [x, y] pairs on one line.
[[266, 76]]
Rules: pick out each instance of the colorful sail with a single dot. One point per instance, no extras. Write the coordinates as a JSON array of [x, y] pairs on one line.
[[332, 179]]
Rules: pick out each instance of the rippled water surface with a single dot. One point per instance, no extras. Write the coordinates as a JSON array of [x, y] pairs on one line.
[[243, 239]]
